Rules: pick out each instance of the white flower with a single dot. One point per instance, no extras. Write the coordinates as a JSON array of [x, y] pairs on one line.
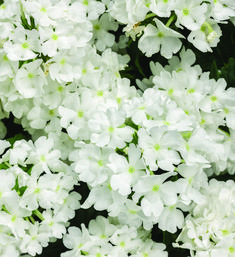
[[40, 11], [126, 172], [91, 164], [151, 249], [34, 240], [156, 193], [159, 147], [206, 37], [107, 129], [30, 79], [161, 39], [93, 8], [162, 8], [76, 240], [22, 45], [190, 14], [101, 30]]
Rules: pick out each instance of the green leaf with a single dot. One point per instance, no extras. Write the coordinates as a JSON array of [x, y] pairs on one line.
[[228, 72], [17, 137], [214, 71]]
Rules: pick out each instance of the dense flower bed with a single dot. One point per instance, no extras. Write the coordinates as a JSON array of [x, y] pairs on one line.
[[117, 113]]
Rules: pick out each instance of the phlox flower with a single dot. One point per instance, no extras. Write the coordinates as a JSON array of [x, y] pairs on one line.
[[55, 39], [7, 182], [125, 240], [43, 156], [107, 129], [40, 11], [129, 11], [91, 164], [30, 79], [159, 146], [104, 198], [75, 111], [156, 193], [34, 240], [222, 9], [162, 8], [77, 240], [52, 225], [101, 30], [39, 192], [161, 39], [190, 14], [151, 249], [93, 8], [126, 173], [206, 36], [9, 9], [65, 67], [101, 229], [22, 44]]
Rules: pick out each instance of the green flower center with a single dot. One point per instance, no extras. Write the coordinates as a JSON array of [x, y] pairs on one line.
[[14, 217], [100, 93], [100, 163], [3, 6], [30, 75], [43, 159], [131, 169], [80, 114], [170, 91], [43, 9], [111, 129], [96, 27], [25, 45], [157, 147], [60, 89], [213, 98], [155, 188], [51, 112], [5, 58], [37, 190], [160, 34], [231, 249], [118, 100], [191, 91], [132, 211], [122, 244], [225, 232], [54, 37], [185, 11], [62, 61], [85, 2]]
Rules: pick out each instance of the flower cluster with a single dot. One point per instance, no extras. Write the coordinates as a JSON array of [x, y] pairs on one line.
[[200, 17], [209, 228], [145, 151], [108, 238], [35, 197]]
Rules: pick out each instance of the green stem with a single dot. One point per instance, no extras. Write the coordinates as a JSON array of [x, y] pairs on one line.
[[8, 165], [38, 214], [150, 15], [171, 19]]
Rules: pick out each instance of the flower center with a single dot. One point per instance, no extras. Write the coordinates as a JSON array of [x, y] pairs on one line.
[[25, 45], [185, 11], [160, 34]]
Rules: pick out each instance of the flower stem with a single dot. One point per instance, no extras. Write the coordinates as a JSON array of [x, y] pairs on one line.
[[171, 19], [38, 214]]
